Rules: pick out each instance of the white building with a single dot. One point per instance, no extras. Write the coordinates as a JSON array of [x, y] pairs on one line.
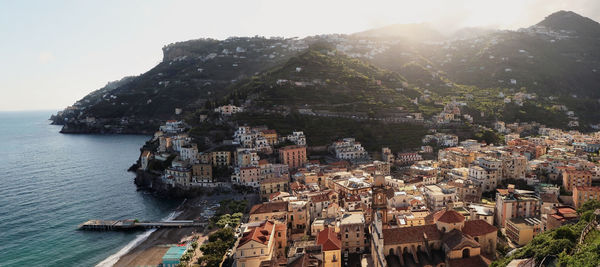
[[349, 149]]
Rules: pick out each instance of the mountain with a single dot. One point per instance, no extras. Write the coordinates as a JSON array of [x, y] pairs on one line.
[[380, 72], [191, 73], [322, 79], [572, 22]]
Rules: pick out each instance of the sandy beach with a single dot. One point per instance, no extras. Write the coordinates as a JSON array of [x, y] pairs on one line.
[[150, 251]]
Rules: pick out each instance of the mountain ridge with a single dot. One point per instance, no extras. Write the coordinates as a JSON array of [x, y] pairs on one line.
[[552, 63]]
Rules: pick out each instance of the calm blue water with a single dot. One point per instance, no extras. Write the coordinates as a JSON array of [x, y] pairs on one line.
[[51, 182]]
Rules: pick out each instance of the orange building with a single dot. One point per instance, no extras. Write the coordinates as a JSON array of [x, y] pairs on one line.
[[293, 156], [574, 178], [581, 194]]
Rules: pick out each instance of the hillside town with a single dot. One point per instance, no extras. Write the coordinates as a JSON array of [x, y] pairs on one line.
[[344, 206]]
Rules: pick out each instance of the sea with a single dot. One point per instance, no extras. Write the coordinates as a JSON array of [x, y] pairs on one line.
[[51, 182]]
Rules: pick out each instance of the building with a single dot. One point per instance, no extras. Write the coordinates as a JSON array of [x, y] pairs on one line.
[[269, 211], [574, 178], [297, 138], [522, 230], [352, 230], [256, 244], [293, 156], [228, 110], [202, 173], [145, 159], [331, 247], [437, 198], [271, 136], [387, 155], [449, 237], [273, 185], [559, 216], [249, 176], [485, 177], [514, 167], [178, 175], [349, 149], [221, 158], [581, 194], [408, 158], [511, 203]]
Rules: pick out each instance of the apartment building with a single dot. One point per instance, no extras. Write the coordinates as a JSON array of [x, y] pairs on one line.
[[511, 203], [352, 230], [581, 194], [574, 178], [293, 156]]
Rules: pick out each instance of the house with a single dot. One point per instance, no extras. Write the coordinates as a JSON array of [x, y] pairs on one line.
[[256, 244], [561, 215], [331, 247], [268, 211], [273, 185]]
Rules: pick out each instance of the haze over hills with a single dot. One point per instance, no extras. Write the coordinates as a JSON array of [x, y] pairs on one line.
[[376, 72]]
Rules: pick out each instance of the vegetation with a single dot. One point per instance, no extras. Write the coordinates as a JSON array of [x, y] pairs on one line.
[[216, 247], [562, 242], [229, 214], [321, 131]]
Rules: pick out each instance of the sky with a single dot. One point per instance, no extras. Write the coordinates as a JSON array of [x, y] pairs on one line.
[[53, 53]]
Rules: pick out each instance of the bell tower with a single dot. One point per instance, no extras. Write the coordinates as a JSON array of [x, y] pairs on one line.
[[379, 199]]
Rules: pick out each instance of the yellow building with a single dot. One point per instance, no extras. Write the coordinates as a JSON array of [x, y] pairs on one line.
[[273, 185], [269, 211], [270, 135], [574, 178], [331, 247], [522, 230], [256, 244]]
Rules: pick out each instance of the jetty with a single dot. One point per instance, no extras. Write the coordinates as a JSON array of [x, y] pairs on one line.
[[123, 225]]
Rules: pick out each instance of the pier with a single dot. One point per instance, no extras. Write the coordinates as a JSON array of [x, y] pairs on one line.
[[123, 225]]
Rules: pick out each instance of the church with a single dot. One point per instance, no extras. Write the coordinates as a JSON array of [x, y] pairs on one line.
[[449, 241]]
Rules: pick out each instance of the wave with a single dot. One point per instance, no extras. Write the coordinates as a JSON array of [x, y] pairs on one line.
[[112, 259]]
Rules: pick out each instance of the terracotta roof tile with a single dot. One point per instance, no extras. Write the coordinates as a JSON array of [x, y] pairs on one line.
[[269, 207], [260, 234], [328, 239], [448, 216], [478, 228], [413, 234]]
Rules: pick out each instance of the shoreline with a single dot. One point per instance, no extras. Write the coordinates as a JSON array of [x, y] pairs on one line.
[[149, 251]]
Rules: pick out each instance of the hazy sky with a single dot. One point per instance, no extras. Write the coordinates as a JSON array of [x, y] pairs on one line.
[[55, 52]]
